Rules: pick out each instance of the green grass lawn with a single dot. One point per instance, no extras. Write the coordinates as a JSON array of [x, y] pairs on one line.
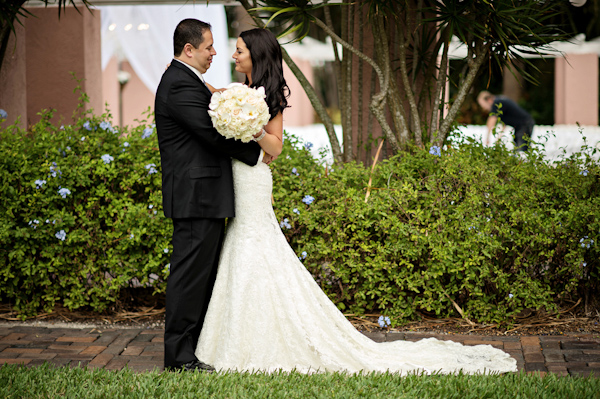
[[51, 382]]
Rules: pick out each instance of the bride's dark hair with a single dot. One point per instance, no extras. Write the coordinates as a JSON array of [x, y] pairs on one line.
[[267, 67]]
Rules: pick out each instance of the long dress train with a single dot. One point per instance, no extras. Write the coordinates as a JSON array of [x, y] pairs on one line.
[[267, 312]]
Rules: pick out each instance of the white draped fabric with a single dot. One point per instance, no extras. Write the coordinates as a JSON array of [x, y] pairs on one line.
[[143, 35]]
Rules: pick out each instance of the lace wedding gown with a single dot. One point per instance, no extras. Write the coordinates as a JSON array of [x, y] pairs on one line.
[[267, 312]]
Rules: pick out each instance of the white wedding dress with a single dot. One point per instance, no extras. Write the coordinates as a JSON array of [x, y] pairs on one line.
[[267, 312]]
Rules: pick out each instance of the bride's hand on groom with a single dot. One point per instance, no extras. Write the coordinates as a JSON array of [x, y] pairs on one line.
[[268, 158]]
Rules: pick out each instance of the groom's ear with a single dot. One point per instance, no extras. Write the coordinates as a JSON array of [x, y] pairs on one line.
[[187, 49]]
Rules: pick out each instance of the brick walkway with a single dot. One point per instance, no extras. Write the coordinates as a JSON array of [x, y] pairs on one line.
[[142, 349]]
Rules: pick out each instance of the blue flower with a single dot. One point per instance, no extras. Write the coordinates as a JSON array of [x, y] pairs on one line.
[[435, 150], [54, 170], [384, 321], [586, 242], [131, 236], [34, 223], [308, 199], [308, 145], [285, 223], [151, 168], [584, 264], [107, 158], [64, 192], [107, 126], [295, 172], [61, 235], [147, 132], [3, 114], [87, 126], [295, 210], [166, 250], [126, 144], [304, 254], [584, 172], [39, 184], [150, 206], [82, 138], [510, 295]]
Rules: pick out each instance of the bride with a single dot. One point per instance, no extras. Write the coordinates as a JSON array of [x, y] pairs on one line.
[[266, 311]]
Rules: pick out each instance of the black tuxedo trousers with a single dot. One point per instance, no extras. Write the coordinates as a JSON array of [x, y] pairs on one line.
[[196, 249]]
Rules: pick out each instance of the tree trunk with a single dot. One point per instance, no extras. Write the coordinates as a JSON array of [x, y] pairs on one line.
[[377, 105], [437, 99], [414, 112], [346, 88], [7, 27], [317, 105], [474, 65]]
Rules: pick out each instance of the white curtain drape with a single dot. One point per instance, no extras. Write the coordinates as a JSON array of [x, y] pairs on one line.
[[143, 35]]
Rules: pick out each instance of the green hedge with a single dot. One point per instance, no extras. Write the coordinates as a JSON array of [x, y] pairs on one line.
[[483, 229], [104, 231], [477, 229]]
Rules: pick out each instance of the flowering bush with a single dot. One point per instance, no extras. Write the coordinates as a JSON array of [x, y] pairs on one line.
[[75, 223], [494, 232], [239, 112], [477, 226]]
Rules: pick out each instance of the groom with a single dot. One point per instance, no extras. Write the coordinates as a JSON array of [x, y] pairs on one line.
[[197, 186]]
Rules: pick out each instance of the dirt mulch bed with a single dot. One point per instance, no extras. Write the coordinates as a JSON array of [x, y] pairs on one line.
[[139, 308]]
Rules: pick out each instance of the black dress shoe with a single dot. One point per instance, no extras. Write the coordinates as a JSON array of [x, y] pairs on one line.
[[194, 365]]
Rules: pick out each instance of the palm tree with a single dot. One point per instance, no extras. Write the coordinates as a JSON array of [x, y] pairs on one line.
[[408, 61]]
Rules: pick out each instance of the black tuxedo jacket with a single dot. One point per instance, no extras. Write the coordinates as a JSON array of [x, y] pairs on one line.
[[197, 180]]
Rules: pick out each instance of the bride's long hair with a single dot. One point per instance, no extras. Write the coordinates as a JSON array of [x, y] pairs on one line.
[[267, 67]]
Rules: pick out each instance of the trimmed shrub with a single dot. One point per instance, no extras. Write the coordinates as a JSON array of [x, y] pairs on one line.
[[477, 231], [473, 231], [81, 214]]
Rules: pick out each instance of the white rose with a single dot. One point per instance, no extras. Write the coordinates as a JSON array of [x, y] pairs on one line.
[[239, 112]]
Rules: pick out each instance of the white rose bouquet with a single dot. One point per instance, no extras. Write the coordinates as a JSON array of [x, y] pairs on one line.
[[239, 112]]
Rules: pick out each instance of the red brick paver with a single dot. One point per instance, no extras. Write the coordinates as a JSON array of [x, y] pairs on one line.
[[142, 349]]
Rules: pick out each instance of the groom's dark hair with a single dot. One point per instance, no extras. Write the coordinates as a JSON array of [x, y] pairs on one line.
[[189, 31]]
